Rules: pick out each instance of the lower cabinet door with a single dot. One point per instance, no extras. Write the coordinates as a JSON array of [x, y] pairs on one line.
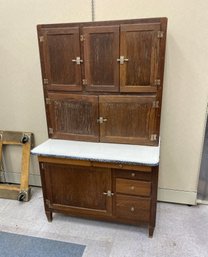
[[78, 189]]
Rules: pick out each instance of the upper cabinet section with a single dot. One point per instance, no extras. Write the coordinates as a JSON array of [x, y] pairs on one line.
[[111, 56], [139, 57], [101, 49], [61, 61]]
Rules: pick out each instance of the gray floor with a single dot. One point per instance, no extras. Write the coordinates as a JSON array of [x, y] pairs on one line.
[[181, 231]]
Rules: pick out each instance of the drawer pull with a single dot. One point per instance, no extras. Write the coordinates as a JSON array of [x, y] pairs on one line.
[[132, 187], [132, 209], [133, 174]]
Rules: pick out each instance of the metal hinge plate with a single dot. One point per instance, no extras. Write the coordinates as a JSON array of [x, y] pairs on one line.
[[82, 38], [84, 82], [157, 82], [153, 137], [48, 101], [45, 81], [160, 34], [41, 38], [50, 131], [155, 104]]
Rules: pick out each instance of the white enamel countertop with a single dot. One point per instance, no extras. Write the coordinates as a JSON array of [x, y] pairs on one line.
[[103, 152]]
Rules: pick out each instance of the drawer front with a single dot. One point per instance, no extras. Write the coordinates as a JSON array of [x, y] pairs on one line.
[[132, 208], [131, 174], [133, 187]]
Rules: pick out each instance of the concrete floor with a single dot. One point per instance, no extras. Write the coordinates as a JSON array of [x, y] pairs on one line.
[[181, 231]]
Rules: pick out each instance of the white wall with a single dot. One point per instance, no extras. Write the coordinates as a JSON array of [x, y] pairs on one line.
[[185, 86]]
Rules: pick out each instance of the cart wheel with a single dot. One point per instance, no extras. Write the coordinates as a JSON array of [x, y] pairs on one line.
[[24, 139], [21, 196]]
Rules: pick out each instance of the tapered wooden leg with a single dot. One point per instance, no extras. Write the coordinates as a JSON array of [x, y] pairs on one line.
[[49, 215], [151, 231]]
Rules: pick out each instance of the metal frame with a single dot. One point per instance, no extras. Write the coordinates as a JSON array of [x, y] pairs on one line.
[[22, 191]]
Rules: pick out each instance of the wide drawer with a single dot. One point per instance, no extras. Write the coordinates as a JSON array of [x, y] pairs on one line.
[[133, 187], [132, 208]]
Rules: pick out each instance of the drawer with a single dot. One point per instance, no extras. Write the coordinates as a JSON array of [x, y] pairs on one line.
[[132, 208], [133, 187], [131, 174]]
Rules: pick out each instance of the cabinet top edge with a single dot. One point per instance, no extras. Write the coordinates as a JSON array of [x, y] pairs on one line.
[[110, 22]]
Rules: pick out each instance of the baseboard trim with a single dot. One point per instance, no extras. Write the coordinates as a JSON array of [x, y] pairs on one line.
[[177, 196]]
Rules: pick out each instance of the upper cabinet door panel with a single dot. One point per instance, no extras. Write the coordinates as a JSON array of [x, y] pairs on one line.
[[73, 116], [101, 50], [61, 49], [128, 119], [140, 52]]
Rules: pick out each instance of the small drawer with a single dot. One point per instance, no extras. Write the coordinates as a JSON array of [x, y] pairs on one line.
[[133, 187], [131, 174], [132, 208]]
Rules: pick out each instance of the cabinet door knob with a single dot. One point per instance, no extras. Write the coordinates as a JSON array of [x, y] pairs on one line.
[[132, 209], [108, 193], [122, 60], [133, 174], [132, 187], [77, 60]]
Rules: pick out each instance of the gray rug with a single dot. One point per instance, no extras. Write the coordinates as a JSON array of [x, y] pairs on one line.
[[15, 245]]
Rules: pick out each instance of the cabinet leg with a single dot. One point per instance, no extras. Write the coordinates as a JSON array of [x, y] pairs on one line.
[[49, 216], [151, 231]]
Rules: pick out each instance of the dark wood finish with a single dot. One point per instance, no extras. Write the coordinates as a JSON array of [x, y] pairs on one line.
[[76, 187], [133, 187], [73, 116], [130, 119], [101, 50], [128, 96], [131, 207], [60, 48], [140, 46], [99, 46]]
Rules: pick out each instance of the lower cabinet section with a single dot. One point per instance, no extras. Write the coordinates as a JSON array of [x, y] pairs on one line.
[[105, 191]]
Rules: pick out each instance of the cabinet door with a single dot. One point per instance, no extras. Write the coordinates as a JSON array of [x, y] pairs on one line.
[[61, 48], [73, 116], [78, 189], [139, 57], [128, 119], [101, 50]]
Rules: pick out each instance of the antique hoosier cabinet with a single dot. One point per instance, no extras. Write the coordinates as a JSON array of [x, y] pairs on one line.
[[102, 84]]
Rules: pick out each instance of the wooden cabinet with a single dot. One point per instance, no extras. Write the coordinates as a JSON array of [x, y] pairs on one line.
[[102, 82], [107, 60], [121, 193]]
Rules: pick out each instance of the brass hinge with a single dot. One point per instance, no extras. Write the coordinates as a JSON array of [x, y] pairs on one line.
[[155, 104], [45, 81], [84, 82], [42, 166], [157, 82], [160, 34], [153, 137], [41, 38], [48, 101], [50, 131], [48, 203], [82, 38]]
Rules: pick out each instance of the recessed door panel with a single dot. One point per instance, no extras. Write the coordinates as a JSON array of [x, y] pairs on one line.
[[128, 119], [101, 50], [140, 53], [61, 50], [73, 116]]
